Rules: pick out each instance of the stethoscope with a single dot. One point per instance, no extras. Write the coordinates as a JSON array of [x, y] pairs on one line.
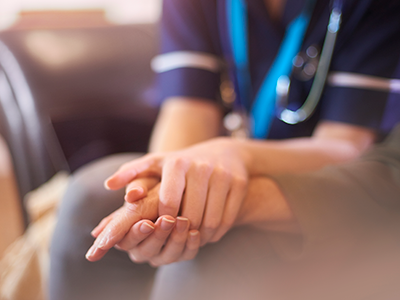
[[272, 97]]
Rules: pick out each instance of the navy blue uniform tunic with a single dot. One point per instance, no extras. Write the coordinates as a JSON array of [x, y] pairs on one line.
[[194, 34]]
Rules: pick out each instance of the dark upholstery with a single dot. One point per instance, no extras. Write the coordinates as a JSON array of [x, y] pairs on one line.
[[69, 96]]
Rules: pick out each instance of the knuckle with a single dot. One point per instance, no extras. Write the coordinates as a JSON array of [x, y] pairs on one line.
[[168, 206], [240, 181], [123, 246], [194, 223], [132, 207], [203, 168], [222, 173], [215, 239], [135, 258], [227, 222], [168, 261], [178, 162], [146, 253], [211, 225]]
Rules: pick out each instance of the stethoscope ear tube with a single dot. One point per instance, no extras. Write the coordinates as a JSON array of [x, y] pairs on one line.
[[283, 85]]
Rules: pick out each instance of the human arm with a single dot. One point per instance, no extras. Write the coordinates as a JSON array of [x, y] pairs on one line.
[[185, 121], [134, 223], [224, 164], [337, 206], [222, 171], [270, 212], [264, 207]]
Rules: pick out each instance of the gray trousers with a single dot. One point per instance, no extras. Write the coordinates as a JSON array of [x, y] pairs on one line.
[[349, 214], [234, 268]]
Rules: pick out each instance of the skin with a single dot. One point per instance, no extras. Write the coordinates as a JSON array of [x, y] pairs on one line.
[[207, 183], [138, 223], [192, 176], [264, 207]]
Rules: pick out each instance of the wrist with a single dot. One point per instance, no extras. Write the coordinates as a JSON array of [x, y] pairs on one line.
[[265, 207], [243, 150]]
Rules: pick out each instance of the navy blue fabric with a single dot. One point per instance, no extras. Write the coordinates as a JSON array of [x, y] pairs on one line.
[[392, 111], [368, 43]]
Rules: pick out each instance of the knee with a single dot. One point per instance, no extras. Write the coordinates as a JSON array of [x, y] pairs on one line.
[[86, 202], [86, 199]]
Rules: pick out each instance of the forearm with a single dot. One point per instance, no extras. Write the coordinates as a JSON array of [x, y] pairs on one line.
[[296, 155], [331, 143], [183, 122], [341, 198]]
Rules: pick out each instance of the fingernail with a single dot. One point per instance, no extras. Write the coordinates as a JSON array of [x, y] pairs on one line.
[[146, 228], [167, 224], [95, 231], [106, 183], [138, 190], [90, 252], [181, 224], [194, 234], [135, 192]]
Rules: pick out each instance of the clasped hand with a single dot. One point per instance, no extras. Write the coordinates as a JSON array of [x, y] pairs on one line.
[[175, 202]]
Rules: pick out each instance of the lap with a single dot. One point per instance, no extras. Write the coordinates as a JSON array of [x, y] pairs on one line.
[[238, 267], [85, 203]]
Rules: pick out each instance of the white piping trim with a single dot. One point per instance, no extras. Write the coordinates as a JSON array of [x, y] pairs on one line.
[[353, 80], [185, 59]]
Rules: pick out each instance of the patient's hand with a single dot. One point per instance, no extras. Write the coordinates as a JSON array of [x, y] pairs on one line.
[[205, 183], [169, 241], [113, 228], [130, 228]]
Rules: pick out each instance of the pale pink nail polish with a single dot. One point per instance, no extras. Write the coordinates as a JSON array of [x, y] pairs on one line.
[[146, 228], [194, 235], [167, 224], [90, 252], [181, 224]]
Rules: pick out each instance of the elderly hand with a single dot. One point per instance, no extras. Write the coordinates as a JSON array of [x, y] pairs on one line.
[[205, 183], [130, 228]]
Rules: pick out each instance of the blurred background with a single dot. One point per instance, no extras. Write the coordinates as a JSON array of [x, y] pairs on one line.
[[75, 85], [75, 82], [20, 13]]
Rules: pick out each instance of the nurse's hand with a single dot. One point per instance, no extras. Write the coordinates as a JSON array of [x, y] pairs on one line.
[[205, 183], [168, 240]]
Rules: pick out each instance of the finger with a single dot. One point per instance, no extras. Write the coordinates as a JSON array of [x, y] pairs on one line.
[[114, 231], [175, 245], [172, 186], [103, 223], [151, 246], [233, 203], [192, 245], [138, 188], [217, 197], [147, 165], [138, 232], [95, 254], [194, 199]]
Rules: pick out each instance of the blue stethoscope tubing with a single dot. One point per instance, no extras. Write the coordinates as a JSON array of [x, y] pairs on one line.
[[277, 81]]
